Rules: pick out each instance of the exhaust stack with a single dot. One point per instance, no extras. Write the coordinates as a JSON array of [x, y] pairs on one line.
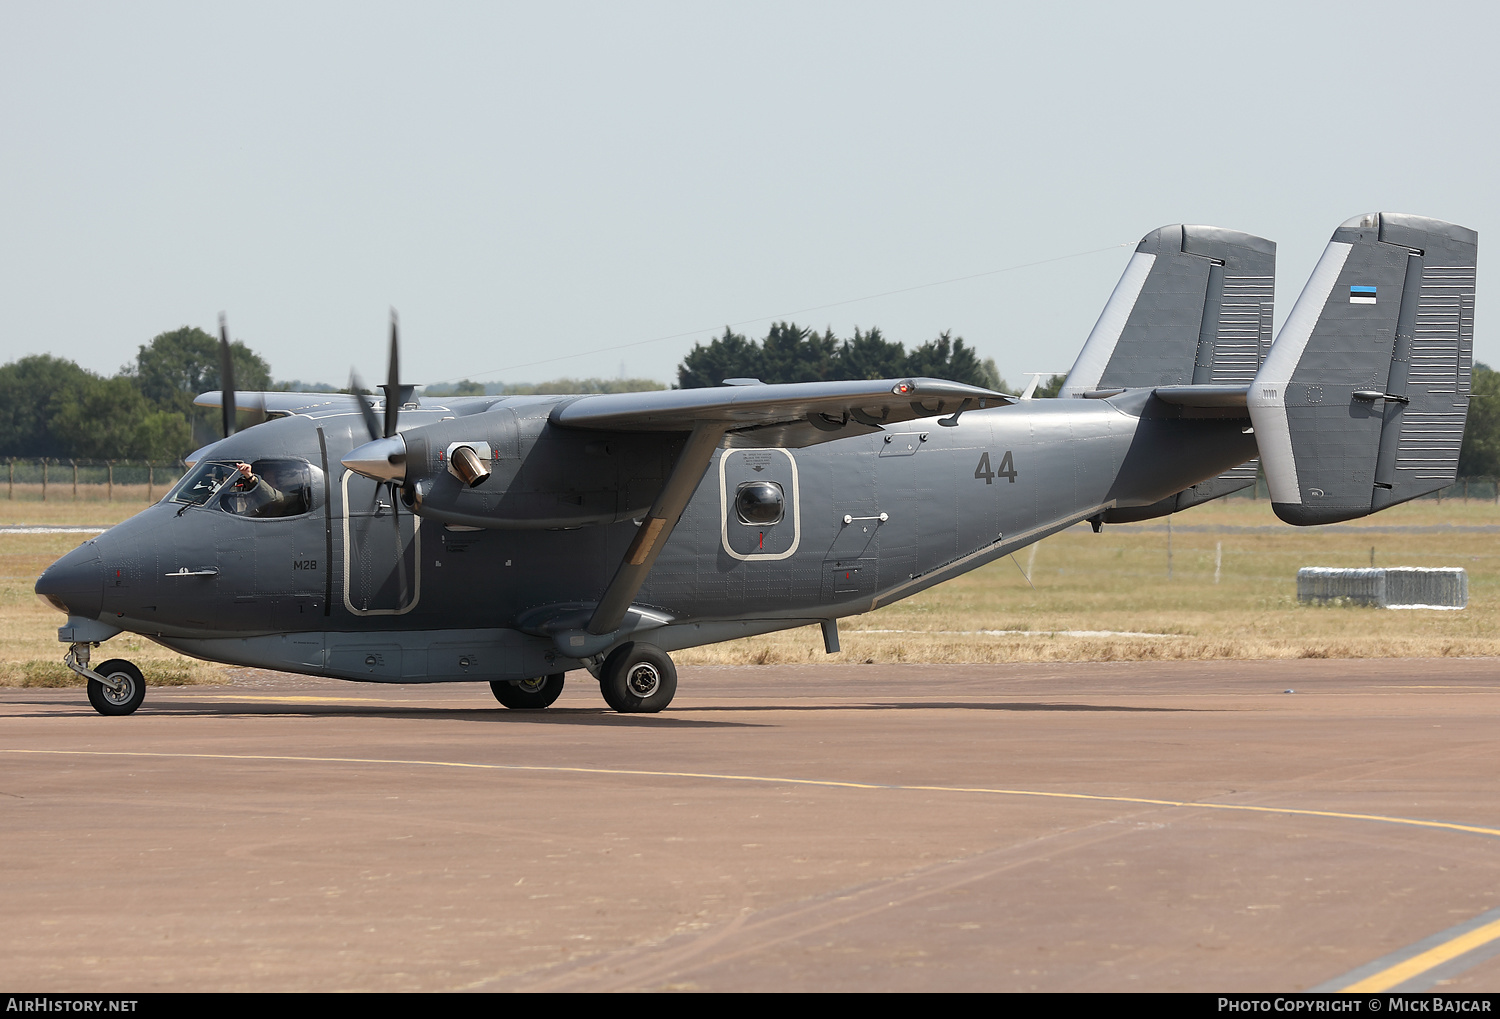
[[467, 467]]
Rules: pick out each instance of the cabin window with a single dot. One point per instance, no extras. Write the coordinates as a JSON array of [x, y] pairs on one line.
[[281, 488], [759, 502]]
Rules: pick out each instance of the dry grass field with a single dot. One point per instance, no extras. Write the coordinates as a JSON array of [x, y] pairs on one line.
[[30, 654], [1091, 597], [1108, 596]]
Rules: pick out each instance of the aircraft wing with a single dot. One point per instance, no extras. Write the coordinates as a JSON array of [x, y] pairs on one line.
[[281, 403], [794, 414], [275, 403]]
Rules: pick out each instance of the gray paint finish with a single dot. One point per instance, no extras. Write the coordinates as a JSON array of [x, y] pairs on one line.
[[885, 488], [1203, 315], [1342, 414]]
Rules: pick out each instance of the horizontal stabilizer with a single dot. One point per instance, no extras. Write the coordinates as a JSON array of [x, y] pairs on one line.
[[1362, 401], [1204, 396]]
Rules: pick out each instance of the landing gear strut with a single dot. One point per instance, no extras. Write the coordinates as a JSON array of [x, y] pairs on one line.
[[115, 688], [638, 678], [528, 693]]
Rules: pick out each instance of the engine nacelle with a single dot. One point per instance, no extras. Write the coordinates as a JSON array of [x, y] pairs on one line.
[[505, 469]]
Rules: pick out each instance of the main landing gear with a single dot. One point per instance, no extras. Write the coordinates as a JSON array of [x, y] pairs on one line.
[[528, 694], [638, 678], [634, 678], [115, 688]]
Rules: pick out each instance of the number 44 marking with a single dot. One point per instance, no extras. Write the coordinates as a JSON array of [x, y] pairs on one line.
[[1006, 470]]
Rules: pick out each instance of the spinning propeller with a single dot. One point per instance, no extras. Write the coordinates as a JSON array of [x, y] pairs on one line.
[[396, 396], [227, 405]]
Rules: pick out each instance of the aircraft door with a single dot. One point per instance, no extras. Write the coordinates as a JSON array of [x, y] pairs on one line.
[[759, 503], [857, 515], [382, 549]]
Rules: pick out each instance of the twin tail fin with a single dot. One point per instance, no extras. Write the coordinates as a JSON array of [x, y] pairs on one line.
[[1362, 400], [1193, 307]]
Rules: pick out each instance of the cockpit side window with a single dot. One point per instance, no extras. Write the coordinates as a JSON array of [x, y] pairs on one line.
[[199, 484], [277, 488]]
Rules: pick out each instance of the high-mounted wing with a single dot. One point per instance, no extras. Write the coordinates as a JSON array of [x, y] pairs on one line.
[[783, 415], [792, 415], [277, 404], [281, 404]]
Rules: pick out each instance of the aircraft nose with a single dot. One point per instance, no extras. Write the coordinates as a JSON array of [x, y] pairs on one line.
[[75, 583]]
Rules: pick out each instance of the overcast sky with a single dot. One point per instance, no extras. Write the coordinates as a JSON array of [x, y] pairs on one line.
[[535, 186]]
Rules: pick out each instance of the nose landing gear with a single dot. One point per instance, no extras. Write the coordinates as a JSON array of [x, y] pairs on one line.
[[115, 688], [121, 691]]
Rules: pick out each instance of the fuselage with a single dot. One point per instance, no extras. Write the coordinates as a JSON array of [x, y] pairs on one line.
[[353, 584]]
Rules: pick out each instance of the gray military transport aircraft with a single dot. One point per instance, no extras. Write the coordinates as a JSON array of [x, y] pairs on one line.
[[512, 540]]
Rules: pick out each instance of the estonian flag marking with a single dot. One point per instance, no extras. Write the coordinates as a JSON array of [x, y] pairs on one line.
[[1361, 295]]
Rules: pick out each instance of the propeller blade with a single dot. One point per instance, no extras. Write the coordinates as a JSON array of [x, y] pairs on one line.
[[372, 425], [392, 385], [258, 414], [400, 546], [377, 507], [226, 378]]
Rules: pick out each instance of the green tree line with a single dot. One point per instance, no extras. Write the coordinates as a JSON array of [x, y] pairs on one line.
[[1480, 454], [50, 407], [791, 353]]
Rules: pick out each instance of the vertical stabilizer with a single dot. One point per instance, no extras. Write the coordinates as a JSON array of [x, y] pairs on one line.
[[1362, 400], [1194, 306]]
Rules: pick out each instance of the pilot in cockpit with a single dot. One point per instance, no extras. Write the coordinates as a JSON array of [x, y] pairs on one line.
[[253, 495]]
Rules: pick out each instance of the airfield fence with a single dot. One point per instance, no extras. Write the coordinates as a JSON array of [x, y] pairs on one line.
[[49, 480]]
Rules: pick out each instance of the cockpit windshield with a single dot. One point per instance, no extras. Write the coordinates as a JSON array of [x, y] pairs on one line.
[[270, 488], [199, 484]]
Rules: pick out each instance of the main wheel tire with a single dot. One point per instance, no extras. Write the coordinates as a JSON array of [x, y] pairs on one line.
[[528, 694], [638, 678], [129, 691]]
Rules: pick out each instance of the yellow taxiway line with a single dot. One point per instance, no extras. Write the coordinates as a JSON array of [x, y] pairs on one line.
[[1383, 980], [1471, 829], [1420, 963]]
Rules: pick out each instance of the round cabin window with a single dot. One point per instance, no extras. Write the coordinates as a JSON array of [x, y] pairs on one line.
[[759, 502]]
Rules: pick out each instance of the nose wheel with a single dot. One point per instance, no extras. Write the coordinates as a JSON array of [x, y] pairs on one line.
[[123, 689], [638, 678], [528, 693]]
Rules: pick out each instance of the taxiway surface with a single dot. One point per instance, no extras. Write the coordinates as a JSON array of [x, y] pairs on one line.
[[1174, 826]]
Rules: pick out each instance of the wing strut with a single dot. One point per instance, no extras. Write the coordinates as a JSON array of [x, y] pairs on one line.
[[657, 525]]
